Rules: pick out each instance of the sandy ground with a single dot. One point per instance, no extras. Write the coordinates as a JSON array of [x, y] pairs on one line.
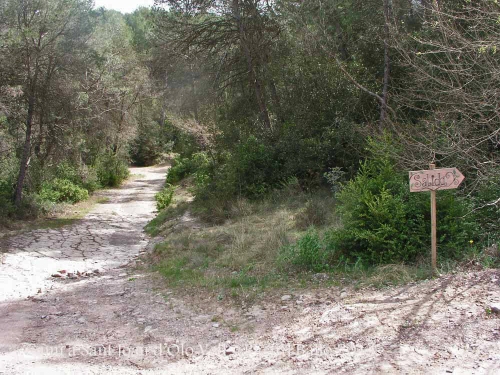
[[120, 320]]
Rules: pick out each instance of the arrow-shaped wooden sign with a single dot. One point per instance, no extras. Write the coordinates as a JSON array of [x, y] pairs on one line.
[[435, 179]]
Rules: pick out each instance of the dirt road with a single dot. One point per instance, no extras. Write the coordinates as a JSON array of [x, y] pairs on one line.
[[120, 320]]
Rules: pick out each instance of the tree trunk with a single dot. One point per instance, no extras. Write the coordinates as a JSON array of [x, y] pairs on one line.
[[276, 101], [26, 151], [387, 63], [251, 68], [195, 99]]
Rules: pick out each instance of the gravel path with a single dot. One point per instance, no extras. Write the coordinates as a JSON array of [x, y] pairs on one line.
[[107, 237]]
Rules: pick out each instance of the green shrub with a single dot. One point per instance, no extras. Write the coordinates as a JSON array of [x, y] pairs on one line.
[[310, 252], [67, 171], [164, 197], [487, 213], [181, 168], [111, 169], [61, 190], [90, 178], [384, 223], [256, 168], [252, 170], [6, 197], [147, 147]]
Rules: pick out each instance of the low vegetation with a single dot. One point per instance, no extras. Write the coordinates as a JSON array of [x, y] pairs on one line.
[[371, 232], [164, 197], [47, 194], [257, 251]]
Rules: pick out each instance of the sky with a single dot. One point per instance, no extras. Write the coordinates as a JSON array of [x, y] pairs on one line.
[[124, 6]]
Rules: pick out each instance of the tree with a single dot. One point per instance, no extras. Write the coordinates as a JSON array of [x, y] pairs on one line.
[[41, 36], [450, 94], [234, 36]]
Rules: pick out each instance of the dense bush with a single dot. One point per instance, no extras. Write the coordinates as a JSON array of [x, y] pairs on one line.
[[67, 171], [252, 170], [82, 175], [147, 147], [382, 222], [90, 178], [181, 168], [310, 252], [164, 197], [487, 212], [6, 195], [62, 190], [111, 169], [64, 182], [8, 169]]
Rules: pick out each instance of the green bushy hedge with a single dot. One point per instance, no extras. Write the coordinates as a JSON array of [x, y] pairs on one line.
[[196, 165], [382, 223], [6, 197], [251, 170], [111, 169], [181, 168], [62, 190]]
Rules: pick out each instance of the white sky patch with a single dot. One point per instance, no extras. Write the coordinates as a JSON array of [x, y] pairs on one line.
[[124, 6]]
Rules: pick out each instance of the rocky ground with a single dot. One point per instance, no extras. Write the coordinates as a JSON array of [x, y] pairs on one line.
[[77, 301]]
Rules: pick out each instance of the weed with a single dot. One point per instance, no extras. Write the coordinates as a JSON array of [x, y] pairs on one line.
[[164, 197], [234, 328], [155, 226]]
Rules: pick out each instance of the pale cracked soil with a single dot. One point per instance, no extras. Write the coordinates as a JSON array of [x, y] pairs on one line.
[[125, 320]]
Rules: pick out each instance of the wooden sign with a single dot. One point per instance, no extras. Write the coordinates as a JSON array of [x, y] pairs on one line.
[[433, 180]]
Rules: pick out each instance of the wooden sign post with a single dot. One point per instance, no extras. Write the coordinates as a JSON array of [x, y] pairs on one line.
[[433, 180], [433, 224]]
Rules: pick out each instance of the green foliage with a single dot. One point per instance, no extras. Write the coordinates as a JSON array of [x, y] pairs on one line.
[[252, 170], [164, 197], [147, 147], [334, 177], [67, 171], [181, 168], [487, 212], [111, 169], [6, 195], [179, 141], [310, 252], [384, 223], [89, 178], [62, 190], [255, 168], [8, 169]]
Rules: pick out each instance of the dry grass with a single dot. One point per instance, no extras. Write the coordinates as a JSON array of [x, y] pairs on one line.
[[239, 253], [230, 245]]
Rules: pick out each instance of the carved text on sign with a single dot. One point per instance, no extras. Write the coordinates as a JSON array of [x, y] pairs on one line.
[[435, 179]]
